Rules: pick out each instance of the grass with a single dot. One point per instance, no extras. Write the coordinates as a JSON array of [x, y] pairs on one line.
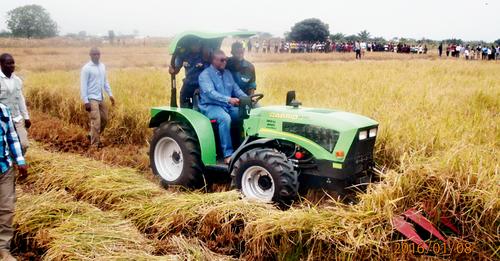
[[439, 141], [228, 225], [70, 230]]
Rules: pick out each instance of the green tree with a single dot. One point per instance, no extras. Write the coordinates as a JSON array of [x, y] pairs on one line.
[[311, 29], [364, 35], [31, 21], [497, 42], [4, 33], [454, 41], [338, 37], [379, 39], [351, 38]]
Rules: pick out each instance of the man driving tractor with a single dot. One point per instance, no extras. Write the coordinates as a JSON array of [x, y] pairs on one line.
[[219, 94]]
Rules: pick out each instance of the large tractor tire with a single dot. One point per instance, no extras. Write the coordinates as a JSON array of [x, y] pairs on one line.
[[174, 156], [266, 175]]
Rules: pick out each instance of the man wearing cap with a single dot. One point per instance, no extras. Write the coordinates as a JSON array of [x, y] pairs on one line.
[[194, 62], [242, 70]]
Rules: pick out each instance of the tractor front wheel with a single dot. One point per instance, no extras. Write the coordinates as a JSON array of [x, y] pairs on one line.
[[266, 175], [175, 156]]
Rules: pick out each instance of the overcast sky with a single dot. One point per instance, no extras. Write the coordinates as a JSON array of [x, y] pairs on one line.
[[434, 19]]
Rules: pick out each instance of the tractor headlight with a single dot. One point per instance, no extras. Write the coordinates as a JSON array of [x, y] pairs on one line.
[[363, 135], [326, 138], [372, 133]]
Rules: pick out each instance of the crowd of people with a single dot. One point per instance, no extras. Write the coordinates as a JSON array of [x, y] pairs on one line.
[[468, 52], [478, 52], [281, 46]]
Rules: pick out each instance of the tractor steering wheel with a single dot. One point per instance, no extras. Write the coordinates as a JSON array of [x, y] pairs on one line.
[[256, 97]]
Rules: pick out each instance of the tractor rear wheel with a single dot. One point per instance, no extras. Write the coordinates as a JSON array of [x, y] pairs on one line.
[[174, 155], [266, 175]]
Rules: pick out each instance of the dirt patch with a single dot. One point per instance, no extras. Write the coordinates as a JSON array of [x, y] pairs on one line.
[[57, 135]]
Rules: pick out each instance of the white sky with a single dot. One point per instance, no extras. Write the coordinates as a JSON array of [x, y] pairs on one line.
[[434, 19]]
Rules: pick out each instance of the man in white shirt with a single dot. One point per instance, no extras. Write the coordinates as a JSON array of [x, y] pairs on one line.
[[92, 82], [11, 95]]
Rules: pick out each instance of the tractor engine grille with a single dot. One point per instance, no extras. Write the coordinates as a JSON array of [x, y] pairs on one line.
[[326, 138]]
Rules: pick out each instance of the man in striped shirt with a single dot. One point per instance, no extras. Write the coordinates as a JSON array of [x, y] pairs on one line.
[[10, 150]]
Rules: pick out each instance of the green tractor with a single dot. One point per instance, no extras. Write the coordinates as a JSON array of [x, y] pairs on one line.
[[280, 149]]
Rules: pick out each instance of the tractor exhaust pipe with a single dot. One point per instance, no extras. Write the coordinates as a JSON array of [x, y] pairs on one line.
[[173, 92], [173, 84]]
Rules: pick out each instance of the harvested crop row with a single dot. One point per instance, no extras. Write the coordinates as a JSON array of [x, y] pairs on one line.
[[231, 226], [76, 230]]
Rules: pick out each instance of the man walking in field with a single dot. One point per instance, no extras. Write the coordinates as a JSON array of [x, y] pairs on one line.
[[92, 82], [10, 150], [11, 95]]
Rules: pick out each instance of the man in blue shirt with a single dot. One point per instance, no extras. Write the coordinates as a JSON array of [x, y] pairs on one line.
[[242, 70], [10, 150], [93, 80], [219, 95], [194, 62]]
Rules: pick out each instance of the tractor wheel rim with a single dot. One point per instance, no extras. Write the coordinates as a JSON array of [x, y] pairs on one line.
[[257, 183], [168, 159]]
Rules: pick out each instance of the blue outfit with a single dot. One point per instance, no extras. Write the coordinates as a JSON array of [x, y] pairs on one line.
[[216, 88], [10, 148], [243, 73], [193, 64], [92, 80]]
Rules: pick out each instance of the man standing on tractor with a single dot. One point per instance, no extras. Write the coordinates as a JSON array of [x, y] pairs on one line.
[[92, 81], [219, 94], [242, 70], [194, 63]]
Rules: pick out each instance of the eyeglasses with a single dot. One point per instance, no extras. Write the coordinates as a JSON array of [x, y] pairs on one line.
[[223, 60]]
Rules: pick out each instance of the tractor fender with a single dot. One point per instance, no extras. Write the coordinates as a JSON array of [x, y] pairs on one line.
[[197, 121], [248, 145]]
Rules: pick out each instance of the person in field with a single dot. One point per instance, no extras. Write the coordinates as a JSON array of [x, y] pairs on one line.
[[242, 70], [11, 151], [219, 96], [194, 60], [11, 95], [93, 81], [357, 49]]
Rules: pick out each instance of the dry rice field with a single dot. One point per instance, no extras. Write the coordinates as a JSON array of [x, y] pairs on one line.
[[438, 144]]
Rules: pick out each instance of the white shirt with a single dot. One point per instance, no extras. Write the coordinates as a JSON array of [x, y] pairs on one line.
[[11, 94], [92, 81]]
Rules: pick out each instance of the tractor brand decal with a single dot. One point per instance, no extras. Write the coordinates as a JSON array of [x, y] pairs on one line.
[[283, 116], [271, 124]]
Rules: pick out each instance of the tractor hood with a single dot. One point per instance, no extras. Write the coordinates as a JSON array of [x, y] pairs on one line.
[[327, 118]]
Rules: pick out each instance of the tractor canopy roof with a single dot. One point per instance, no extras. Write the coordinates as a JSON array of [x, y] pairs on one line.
[[213, 40]]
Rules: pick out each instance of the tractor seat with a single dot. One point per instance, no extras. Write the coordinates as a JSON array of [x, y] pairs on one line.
[[196, 102]]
